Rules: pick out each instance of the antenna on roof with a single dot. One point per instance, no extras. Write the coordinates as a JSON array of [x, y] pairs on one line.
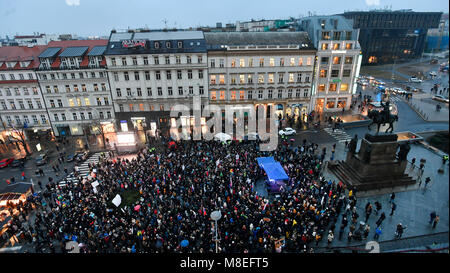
[[165, 22]]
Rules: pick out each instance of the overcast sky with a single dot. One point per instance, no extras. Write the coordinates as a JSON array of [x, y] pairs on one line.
[[98, 17]]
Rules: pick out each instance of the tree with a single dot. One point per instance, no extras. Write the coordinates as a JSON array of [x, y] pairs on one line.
[[20, 132], [99, 130]]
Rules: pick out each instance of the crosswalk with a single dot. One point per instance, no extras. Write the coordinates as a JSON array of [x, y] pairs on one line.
[[83, 169], [395, 99], [339, 134]]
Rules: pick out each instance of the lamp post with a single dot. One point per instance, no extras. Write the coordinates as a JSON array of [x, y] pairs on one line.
[[216, 215]]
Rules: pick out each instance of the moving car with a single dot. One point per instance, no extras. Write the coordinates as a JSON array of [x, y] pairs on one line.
[[82, 156], [398, 90], [6, 162], [17, 162], [42, 159], [70, 157], [440, 98], [415, 79], [287, 132]]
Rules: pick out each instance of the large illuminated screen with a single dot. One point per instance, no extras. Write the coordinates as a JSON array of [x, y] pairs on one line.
[[126, 139]]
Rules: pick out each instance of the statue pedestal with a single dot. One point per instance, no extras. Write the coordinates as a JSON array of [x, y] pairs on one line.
[[375, 166]]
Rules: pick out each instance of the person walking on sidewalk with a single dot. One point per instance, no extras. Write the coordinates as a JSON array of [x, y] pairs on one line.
[[330, 237], [393, 207], [392, 197], [377, 207], [427, 180], [413, 161], [23, 176], [436, 220], [432, 217], [368, 211], [377, 233], [399, 231]]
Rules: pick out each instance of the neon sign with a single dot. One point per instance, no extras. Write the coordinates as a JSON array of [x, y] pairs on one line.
[[133, 43]]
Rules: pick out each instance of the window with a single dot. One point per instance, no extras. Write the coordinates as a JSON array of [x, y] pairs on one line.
[[297, 93], [188, 59], [121, 107], [332, 87], [242, 78], [145, 60], [280, 93], [324, 60], [139, 92], [189, 74], [334, 73], [308, 61], [177, 60], [47, 88], [35, 90], [336, 35], [99, 102], [124, 61], [82, 116], [8, 92], [201, 90], [213, 95], [60, 104], [324, 46], [261, 62], [167, 58], [233, 63], [346, 73], [323, 73], [83, 87], [116, 76], [55, 117], [290, 93], [136, 75], [156, 58], [81, 76], [180, 90], [291, 77], [79, 101], [250, 62], [11, 76], [170, 91], [52, 103], [348, 60], [271, 62], [348, 35], [159, 91], [106, 100], [141, 107], [129, 92], [21, 76], [281, 61], [341, 102], [344, 87], [71, 103], [125, 74], [119, 93], [103, 87], [63, 116], [221, 63], [260, 94], [158, 75], [74, 115], [260, 78], [18, 121], [331, 103], [212, 79], [72, 75], [100, 113], [233, 95], [299, 77], [336, 60], [130, 107], [113, 61], [336, 46], [64, 76], [250, 78], [212, 63], [281, 78], [179, 75], [292, 62], [147, 75], [168, 45], [241, 62], [321, 87], [29, 102], [21, 104], [180, 44], [108, 114], [95, 87], [269, 93], [325, 35], [233, 79], [149, 91], [348, 45], [30, 76], [250, 94], [199, 59], [222, 79], [200, 74]]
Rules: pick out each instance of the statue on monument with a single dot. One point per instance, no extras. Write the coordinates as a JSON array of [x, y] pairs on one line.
[[386, 111], [403, 152]]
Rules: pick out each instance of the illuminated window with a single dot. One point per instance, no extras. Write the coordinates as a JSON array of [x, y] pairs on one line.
[[241, 95], [131, 106], [71, 103], [250, 62], [141, 106], [87, 102], [272, 62], [341, 102], [233, 63], [260, 78], [348, 60], [222, 79], [213, 95], [372, 59], [300, 61], [242, 78], [79, 101], [291, 77], [331, 103], [308, 61], [241, 63], [336, 46], [324, 46], [348, 45], [213, 79], [222, 95], [233, 95], [332, 87], [281, 61], [336, 60], [344, 87], [261, 62], [321, 87], [271, 78], [292, 62], [323, 73]]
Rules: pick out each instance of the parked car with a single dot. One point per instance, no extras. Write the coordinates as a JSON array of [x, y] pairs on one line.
[[6, 162], [399, 90], [440, 98], [287, 132], [70, 157], [17, 162], [42, 159], [415, 79], [433, 73]]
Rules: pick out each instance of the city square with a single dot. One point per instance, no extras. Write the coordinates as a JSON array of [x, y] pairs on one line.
[[291, 136]]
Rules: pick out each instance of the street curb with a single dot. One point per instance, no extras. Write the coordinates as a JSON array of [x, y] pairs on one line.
[[418, 113], [431, 148]]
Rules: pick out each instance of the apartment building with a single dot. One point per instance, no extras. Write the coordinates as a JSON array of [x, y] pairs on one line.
[[261, 68], [337, 64], [74, 83], [150, 72], [21, 101]]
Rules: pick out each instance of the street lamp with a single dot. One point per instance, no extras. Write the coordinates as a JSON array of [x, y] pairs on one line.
[[216, 215]]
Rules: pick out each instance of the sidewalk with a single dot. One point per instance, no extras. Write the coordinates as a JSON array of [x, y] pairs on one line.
[[426, 109]]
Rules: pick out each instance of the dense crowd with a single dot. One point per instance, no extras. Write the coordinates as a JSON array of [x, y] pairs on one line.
[[177, 191]]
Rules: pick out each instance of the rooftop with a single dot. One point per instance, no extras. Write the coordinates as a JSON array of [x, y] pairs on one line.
[[20, 54]]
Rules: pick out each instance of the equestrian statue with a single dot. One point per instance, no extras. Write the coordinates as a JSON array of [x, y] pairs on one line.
[[382, 117]]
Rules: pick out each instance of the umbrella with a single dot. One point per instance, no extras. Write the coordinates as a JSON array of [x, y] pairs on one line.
[[136, 208], [292, 140], [184, 243], [222, 137]]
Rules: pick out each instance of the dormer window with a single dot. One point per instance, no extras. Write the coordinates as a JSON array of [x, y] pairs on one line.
[[180, 44], [156, 44], [167, 44], [10, 64]]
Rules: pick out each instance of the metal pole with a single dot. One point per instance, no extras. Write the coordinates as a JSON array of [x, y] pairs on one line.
[[217, 245]]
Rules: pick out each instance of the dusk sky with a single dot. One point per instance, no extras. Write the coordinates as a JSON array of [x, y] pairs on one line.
[[98, 17]]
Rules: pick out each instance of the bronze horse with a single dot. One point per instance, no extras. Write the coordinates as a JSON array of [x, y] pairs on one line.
[[379, 118]]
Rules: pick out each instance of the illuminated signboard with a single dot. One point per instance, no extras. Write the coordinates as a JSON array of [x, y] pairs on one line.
[[133, 43]]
